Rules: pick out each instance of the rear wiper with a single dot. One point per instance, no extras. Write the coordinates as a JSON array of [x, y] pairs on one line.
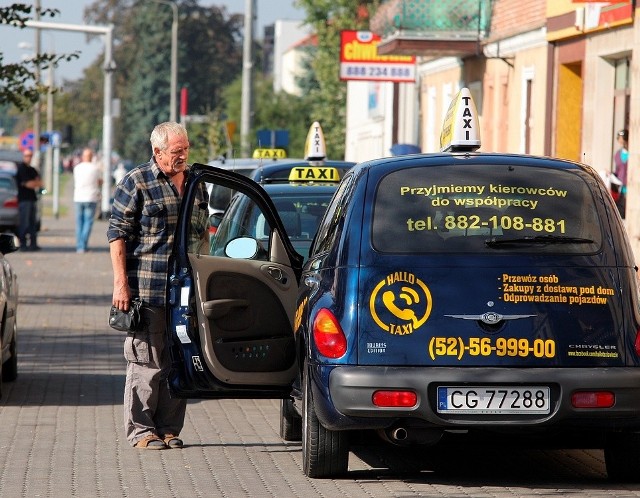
[[538, 239]]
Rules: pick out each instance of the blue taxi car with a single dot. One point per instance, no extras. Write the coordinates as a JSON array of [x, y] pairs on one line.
[[460, 291]]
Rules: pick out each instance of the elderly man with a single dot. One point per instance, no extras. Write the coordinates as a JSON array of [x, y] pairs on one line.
[[141, 232]]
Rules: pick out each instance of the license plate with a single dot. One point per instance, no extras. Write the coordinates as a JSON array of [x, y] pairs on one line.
[[494, 400]]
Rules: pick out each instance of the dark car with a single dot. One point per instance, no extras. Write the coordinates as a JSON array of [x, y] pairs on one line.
[[315, 167], [9, 303], [271, 166], [9, 213], [300, 205], [448, 293]]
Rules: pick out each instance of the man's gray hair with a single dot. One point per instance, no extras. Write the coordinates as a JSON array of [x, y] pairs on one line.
[[160, 134]]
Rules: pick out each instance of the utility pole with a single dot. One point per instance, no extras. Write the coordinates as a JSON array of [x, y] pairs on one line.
[[174, 59], [36, 109], [247, 78]]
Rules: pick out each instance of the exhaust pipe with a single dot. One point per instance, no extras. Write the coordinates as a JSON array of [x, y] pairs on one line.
[[399, 434], [402, 435]]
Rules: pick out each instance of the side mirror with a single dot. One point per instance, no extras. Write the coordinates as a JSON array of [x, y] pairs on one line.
[[241, 248], [8, 243]]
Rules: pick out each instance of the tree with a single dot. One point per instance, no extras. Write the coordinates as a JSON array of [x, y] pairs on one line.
[[329, 99], [209, 55], [19, 84], [274, 112]]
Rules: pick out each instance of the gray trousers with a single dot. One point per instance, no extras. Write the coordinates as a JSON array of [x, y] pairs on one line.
[[148, 407]]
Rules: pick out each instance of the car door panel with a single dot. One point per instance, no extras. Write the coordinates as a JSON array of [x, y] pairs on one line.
[[231, 319], [244, 317]]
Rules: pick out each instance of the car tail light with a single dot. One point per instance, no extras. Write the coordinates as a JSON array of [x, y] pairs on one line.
[[328, 335], [212, 229], [402, 399], [593, 399], [11, 202]]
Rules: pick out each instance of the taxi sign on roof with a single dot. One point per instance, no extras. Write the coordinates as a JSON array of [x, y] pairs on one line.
[[461, 129], [315, 148], [314, 174], [269, 154]]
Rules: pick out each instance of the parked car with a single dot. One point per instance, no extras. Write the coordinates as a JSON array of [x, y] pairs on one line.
[[9, 214], [456, 292], [9, 304]]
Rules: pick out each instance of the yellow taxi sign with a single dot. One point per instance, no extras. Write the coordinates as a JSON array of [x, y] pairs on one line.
[[461, 128], [269, 154], [315, 148], [314, 174]]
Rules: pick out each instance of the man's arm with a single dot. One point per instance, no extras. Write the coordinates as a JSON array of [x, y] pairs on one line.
[[121, 290]]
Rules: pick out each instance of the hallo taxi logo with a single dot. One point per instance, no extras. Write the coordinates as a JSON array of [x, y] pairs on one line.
[[401, 303]]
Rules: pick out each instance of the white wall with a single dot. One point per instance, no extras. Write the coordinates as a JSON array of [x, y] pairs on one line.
[[369, 125], [285, 34]]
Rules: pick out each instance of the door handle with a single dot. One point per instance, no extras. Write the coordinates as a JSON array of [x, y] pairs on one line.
[[277, 274]]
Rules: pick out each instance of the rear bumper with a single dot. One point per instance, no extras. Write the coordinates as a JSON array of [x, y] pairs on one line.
[[347, 404]]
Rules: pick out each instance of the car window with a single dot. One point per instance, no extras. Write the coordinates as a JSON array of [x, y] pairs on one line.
[[199, 222], [332, 224], [7, 183], [219, 196], [243, 218], [493, 208], [300, 211]]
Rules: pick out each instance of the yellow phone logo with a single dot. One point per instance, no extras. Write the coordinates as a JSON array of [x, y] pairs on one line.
[[405, 305]]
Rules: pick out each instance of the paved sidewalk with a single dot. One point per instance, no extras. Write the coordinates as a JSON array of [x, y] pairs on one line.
[[61, 421]]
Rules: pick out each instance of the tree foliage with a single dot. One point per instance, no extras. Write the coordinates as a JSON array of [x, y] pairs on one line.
[[209, 58], [281, 111], [19, 84], [329, 99]]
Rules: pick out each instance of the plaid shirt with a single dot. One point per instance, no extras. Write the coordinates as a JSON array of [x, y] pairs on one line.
[[145, 214]]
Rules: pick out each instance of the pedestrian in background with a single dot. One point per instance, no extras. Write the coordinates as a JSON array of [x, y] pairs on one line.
[[141, 231], [620, 160], [87, 179], [29, 184]]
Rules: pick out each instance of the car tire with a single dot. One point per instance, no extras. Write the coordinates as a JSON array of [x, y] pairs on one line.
[[290, 421], [325, 453], [10, 367], [622, 457]]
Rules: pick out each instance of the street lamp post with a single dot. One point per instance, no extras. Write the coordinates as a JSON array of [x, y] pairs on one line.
[[174, 59], [107, 121], [247, 77]]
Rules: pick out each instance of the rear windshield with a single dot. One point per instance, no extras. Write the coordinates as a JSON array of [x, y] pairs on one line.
[[485, 209]]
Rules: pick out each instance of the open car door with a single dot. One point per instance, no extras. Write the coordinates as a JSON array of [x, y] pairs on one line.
[[231, 299]]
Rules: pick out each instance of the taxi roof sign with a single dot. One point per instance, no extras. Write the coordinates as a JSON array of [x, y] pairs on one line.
[[269, 154], [461, 128], [315, 148], [314, 174]]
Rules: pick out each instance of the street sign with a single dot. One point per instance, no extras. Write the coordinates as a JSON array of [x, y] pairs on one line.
[[26, 140]]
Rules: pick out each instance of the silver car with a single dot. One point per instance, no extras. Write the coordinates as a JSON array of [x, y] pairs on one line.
[[8, 202]]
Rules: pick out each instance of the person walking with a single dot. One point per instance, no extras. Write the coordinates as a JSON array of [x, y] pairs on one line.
[[140, 234], [620, 161], [87, 180], [29, 184]]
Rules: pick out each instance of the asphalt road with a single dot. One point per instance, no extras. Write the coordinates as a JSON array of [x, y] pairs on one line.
[[61, 420]]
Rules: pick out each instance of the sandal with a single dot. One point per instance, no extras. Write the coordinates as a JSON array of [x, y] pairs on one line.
[[151, 442], [172, 441]]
